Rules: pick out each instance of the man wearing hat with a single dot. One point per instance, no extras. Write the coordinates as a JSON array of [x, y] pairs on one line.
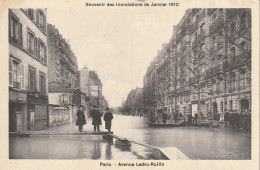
[[81, 118], [96, 118], [108, 119]]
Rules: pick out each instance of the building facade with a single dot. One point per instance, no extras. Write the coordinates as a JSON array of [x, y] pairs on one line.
[[206, 63], [63, 77], [28, 72], [95, 89], [84, 80]]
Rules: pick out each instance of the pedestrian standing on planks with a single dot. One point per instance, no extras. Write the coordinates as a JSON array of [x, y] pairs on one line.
[[108, 119], [81, 118], [96, 118]]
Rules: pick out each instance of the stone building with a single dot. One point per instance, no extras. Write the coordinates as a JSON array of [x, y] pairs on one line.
[[28, 72], [95, 88], [63, 78], [207, 62], [84, 80]]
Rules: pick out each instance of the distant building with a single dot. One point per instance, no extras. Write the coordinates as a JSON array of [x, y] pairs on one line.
[[84, 80], [28, 72], [134, 102], [64, 93], [95, 86]]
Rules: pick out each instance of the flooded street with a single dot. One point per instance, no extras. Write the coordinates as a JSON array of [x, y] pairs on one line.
[[195, 142]]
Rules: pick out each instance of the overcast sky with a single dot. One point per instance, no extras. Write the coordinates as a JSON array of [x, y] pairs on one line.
[[118, 43]]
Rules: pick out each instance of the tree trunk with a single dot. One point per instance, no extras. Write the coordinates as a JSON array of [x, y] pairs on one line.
[[198, 108]]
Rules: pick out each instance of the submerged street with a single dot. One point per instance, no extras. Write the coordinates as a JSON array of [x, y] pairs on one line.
[[196, 143]]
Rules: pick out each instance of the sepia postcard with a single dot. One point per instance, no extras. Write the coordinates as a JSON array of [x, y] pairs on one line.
[[129, 84]]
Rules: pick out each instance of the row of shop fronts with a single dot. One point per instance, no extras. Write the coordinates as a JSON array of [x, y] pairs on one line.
[[32, 111], [27, 111], [217, 105]]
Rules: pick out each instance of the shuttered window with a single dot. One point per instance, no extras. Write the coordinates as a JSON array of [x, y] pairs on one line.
[[15, 30], [30, 43], [21, 73], [42, 82], [16, 74], [32, 79], [10, 72]]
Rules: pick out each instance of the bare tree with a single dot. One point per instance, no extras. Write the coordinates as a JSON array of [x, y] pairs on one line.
[[196, 63]]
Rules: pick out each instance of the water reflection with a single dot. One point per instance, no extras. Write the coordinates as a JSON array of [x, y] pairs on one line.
[[109, 151]]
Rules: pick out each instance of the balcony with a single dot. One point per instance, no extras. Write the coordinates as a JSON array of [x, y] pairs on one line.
[[198, 19], [216, 24], [185, 29], [16, 85]]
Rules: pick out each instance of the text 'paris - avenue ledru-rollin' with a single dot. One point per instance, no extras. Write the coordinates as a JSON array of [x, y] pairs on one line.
[[131, 164]]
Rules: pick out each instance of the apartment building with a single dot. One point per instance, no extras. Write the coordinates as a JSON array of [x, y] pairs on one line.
[[28, 70], [206, 63]]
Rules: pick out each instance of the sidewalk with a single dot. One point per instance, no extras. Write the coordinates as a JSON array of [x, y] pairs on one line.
[[72, 128]]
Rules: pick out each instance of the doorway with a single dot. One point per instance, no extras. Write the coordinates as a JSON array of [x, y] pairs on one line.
[[244, 105], [215, 110]]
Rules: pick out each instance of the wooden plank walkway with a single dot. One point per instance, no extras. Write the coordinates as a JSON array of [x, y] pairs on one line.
[[171, 153], [174, 153]]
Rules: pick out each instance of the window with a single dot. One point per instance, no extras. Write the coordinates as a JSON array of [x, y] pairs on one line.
[[42, 82], [31, 13], [30, 42], [232, 83], [41, 19], [230, 105], [15, 30], [242, 81], [42, 51], [32, 79], [16, 74], [221, 106]]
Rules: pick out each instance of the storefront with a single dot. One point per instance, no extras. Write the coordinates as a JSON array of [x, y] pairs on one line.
[[17, 111], [37, 116]]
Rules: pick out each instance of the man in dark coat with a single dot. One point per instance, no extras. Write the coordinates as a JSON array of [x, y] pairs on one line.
[[176, 116], [96, 117], [164, 116], [108, 119], [226, 116], [81, 118], [196, 118]]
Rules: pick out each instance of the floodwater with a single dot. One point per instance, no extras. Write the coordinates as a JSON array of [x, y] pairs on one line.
[[195, 142]]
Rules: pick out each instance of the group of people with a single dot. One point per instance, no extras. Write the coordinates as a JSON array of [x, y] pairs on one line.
[[193, 120], [96, 118], [238, 120]]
